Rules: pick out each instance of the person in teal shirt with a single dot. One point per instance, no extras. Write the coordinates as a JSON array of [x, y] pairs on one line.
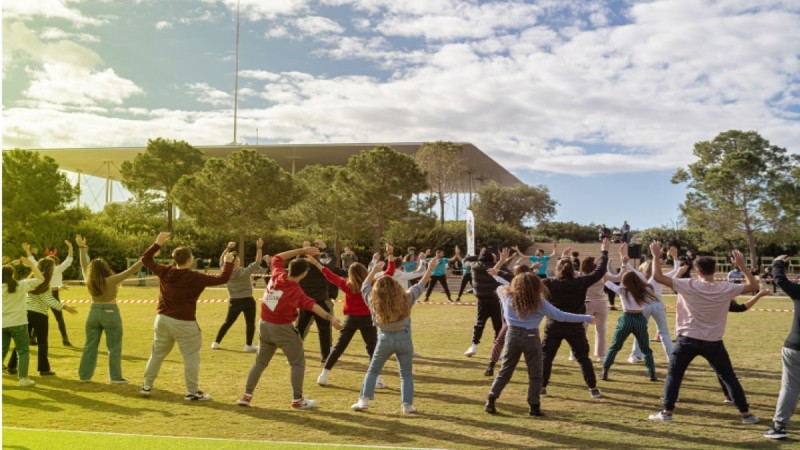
[[440, 272], [540, 257]]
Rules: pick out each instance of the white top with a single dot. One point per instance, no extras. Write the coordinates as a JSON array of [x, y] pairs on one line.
[[658, 288], [702, 307], [58, 271], [628, 302], [15, 312]]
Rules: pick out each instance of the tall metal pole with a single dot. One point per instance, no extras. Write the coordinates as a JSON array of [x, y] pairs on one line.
[[79, 188], [236, 79]]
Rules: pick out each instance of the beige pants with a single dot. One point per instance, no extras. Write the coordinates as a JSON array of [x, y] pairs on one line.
[[166, 332], [599, 310]]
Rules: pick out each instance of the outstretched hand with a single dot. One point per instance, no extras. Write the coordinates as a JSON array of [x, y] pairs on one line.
[[162, 238], [656, 250], [80, 240], [259, 243], [604, 246]]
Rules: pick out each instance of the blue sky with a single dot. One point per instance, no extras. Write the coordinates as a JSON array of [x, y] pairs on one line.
[[598, 100]]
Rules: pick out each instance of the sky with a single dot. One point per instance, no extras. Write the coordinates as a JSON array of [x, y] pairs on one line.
[[600, 101]]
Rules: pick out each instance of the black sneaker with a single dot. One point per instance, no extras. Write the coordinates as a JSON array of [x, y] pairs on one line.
[[535, 410], [489, 370], [489, 406], [776, 432]]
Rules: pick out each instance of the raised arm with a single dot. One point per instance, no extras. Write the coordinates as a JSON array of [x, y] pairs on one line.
[[289, 254], [318, 310], [83, 253], [602, 265], [34, 269], [752, 283], [147, 257], [658, 275], [779, 275], [555, 249], [457, 255], [754, 299]]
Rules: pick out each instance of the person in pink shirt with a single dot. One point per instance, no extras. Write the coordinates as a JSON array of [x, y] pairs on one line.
[[279, 306], [700, 318]]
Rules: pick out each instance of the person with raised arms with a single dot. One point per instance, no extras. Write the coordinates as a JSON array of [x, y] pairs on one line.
[[176, 321], [103, 285], [439, 262], [391, 305], [15, 316], [280, 302], [240, 297], [700, 319]]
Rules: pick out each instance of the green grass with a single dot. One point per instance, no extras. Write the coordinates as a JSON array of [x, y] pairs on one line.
[[450, 391]]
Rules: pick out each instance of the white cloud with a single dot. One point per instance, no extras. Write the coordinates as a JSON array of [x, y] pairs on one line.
[[317, 25], [255, 10], [72, 85], [163, 25], [259, 75], [204, 16], [207, 94], [50, 34], [51, 9]]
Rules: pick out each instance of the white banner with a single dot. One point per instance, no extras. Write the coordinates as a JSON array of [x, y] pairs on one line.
[[470, 233]]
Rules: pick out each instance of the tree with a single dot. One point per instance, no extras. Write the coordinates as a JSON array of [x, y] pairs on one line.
[[239, 194], [513, 205], [32, 186], [441, 161], [378, 186], [153, 174], [570, 231], [739, 185]]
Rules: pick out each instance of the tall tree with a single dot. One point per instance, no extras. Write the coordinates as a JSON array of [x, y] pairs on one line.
[[739, 184], [239, 194], [152, 175], [513, 205], [442, 163], [378, 185], [32, 186]]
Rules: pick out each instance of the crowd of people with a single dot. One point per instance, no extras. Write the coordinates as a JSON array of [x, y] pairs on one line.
[[513, 290]]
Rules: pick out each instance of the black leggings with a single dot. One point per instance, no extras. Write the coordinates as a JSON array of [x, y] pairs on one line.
[[37, 323], [59, 315], [464, 280], [352, 324], [237, 306], [323, 327], [441, 279]]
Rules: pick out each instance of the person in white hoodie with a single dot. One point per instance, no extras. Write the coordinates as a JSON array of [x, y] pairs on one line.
[[15, 316]]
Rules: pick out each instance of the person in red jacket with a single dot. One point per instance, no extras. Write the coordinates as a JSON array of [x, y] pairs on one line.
[[280, 302], [179, 289]]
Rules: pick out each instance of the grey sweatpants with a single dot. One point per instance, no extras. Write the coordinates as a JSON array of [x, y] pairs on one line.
[[790, 386], [270, 338], [166, 332]]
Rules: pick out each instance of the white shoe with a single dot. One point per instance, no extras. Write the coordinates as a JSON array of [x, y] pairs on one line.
[[660, 417], [634, 360], [571, 357], [379, 384], [250, 348], [417, 355], [360, 405], [26, 382], [471, 350], [303, 404], [408, 408], [322, 379], [214, 345]]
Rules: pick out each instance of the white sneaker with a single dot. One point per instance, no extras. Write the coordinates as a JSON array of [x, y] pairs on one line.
[[198, 396], [408, 408], [303, 403], [417, 355], [120, 381], [379, 384], [750, 419], [250, 348], [26, 382], [322, 379], [571, 357], [214, 345], [660, 417], [471, 350], [361, 404], [634, 359]]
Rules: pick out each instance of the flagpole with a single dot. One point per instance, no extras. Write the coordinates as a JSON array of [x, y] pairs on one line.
[[236, 79]]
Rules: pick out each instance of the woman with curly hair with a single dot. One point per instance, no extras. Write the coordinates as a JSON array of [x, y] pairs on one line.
[[103, 285], [524, 306], [390, 305]]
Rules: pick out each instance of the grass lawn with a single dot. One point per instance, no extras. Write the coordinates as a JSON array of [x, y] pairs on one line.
[[450, 391]]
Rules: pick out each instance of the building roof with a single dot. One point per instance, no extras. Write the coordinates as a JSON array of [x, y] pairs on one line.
[[105, 161]]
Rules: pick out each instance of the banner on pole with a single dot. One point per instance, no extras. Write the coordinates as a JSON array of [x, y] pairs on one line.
[[470, 233]]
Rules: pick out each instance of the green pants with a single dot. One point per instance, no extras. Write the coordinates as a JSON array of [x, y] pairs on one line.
[[21, 340], [102, 317], [636, 324]]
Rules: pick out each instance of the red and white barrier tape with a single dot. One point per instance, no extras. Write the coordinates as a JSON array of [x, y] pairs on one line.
[[224, 300]]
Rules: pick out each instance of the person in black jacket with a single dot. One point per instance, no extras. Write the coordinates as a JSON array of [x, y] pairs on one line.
[[316, 286], [568, 293], [485, 288]]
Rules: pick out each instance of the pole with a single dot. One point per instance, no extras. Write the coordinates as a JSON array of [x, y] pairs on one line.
[[79, 188], [236, 78]]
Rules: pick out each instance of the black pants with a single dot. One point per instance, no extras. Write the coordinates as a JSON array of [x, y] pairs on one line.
[[464, 280], [352, 324], [521, 342], [488, 307], [237, 306], [611, 295], [686, 349], [37, 323], [323, 328], [441, 279], [575, 335], [59, 315]]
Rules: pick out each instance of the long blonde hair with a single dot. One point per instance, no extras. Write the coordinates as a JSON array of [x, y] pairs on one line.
[[96, 275], [356, 274], [527, 292], [389, 301]]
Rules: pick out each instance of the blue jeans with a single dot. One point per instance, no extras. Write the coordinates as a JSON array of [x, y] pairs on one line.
[[659, 314], [102, 317], [715, 353], [392, 343]]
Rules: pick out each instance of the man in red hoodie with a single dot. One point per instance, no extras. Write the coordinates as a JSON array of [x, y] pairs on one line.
[[179, 288]]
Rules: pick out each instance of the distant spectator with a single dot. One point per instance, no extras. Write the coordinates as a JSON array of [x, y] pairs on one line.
[[735, 276], [603, 232], [767, 279], [576, 261], [348, 258], [625, 229]]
